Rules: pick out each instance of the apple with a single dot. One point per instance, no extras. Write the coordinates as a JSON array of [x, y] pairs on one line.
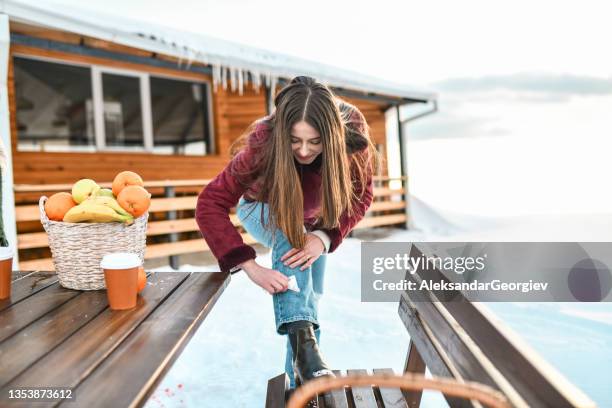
[[82, 189]]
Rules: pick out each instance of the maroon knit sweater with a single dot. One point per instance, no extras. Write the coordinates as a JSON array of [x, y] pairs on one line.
[[224, 191]]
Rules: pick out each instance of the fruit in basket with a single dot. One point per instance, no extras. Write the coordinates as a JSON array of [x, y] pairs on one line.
[[90, 211], [142, 279], [109, 202], [135, 200], [106, 192], [83, 189], [124, 179], [58, 205]]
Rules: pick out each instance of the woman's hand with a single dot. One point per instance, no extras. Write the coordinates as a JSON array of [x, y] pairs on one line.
[[306, 257], [272, 281]]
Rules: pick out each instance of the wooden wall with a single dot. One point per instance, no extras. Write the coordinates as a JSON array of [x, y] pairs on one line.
[[232, 113]]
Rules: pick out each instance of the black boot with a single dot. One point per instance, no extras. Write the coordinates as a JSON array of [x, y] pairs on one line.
[[308, 362]]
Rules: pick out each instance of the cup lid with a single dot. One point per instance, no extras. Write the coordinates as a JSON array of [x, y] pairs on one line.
[[120, 260], [6, 253]]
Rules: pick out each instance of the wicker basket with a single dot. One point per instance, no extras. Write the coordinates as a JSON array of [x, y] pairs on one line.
[[78, 248]]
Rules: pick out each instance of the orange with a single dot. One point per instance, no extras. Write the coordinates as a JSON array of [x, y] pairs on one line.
[[58, 205], [124, 179], [135, 200], [142, 279]]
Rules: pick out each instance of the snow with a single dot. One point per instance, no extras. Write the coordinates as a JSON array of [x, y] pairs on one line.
[[236, 350], [230, 61]]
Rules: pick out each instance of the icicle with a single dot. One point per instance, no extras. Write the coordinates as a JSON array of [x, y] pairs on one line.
[[256, 80], [224, 78], [233, 79], [234, 72], [245, 77], [240, 81], [216, 74], [273, 85]]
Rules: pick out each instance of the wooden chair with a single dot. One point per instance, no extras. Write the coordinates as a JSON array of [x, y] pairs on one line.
[[460, 341]]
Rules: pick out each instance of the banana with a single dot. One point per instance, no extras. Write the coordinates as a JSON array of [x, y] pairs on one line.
[[89, 211], [109, 202]]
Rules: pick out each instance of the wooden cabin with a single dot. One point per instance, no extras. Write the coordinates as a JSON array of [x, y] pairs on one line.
[[90, 96]]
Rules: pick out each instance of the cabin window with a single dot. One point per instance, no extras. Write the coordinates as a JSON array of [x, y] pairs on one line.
[[53, 104], [65, 107], [179, 121], [122, 111]]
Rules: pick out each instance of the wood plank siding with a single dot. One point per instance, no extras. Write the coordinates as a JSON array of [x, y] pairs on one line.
[[232, 113]]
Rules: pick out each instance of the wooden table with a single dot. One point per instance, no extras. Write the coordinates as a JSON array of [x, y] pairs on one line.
[[56, 337]]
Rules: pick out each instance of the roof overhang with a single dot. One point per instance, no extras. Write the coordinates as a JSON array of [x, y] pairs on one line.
[[231, 63]]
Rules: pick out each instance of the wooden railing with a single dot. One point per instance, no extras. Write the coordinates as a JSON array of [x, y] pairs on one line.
[[167, 217]]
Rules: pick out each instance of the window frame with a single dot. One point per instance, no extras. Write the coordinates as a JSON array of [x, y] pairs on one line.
[[145, 102]]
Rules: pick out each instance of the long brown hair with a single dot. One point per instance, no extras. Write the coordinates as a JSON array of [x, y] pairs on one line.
[[348, 157]]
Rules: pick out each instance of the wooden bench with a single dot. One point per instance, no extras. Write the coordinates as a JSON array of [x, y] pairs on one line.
[[56, 337], [459, 340], [389, 208]]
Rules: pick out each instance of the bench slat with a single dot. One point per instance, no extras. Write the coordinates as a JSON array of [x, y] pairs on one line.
[[32, 212], [184, 247], [30, 188], [336, 398], [414, 364], [277, 391], [40, 239], [391, 219], [387, 205], [173, 203], [78, 355], [453, 339], [180, 225], [182, 312], [434, 356], [389, 397], [43, 264], [363, 397], [152, 251], [534, 380], [384, 191], [32, 240]]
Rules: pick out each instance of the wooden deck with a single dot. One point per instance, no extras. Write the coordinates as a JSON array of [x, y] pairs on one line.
[[56, 337]]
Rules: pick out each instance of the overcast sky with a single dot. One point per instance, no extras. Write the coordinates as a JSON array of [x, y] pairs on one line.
[[416, 42], [525, 87]]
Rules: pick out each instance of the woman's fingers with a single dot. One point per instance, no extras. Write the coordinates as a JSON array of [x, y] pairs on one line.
[[303, 258], [277, 287], [289, 253], [309, 263], [282, 279], [284, 285], [297, 259]]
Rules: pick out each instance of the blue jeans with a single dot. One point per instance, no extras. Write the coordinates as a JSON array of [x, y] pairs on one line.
[[289, 306]]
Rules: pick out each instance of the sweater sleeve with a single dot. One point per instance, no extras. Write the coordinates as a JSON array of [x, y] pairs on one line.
[[213, 207], [361, 202]]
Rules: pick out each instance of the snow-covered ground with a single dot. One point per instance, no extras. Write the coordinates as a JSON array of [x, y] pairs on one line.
[[236, 350]]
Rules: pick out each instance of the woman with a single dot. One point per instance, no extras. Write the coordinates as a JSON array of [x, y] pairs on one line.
[[302, 180]]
